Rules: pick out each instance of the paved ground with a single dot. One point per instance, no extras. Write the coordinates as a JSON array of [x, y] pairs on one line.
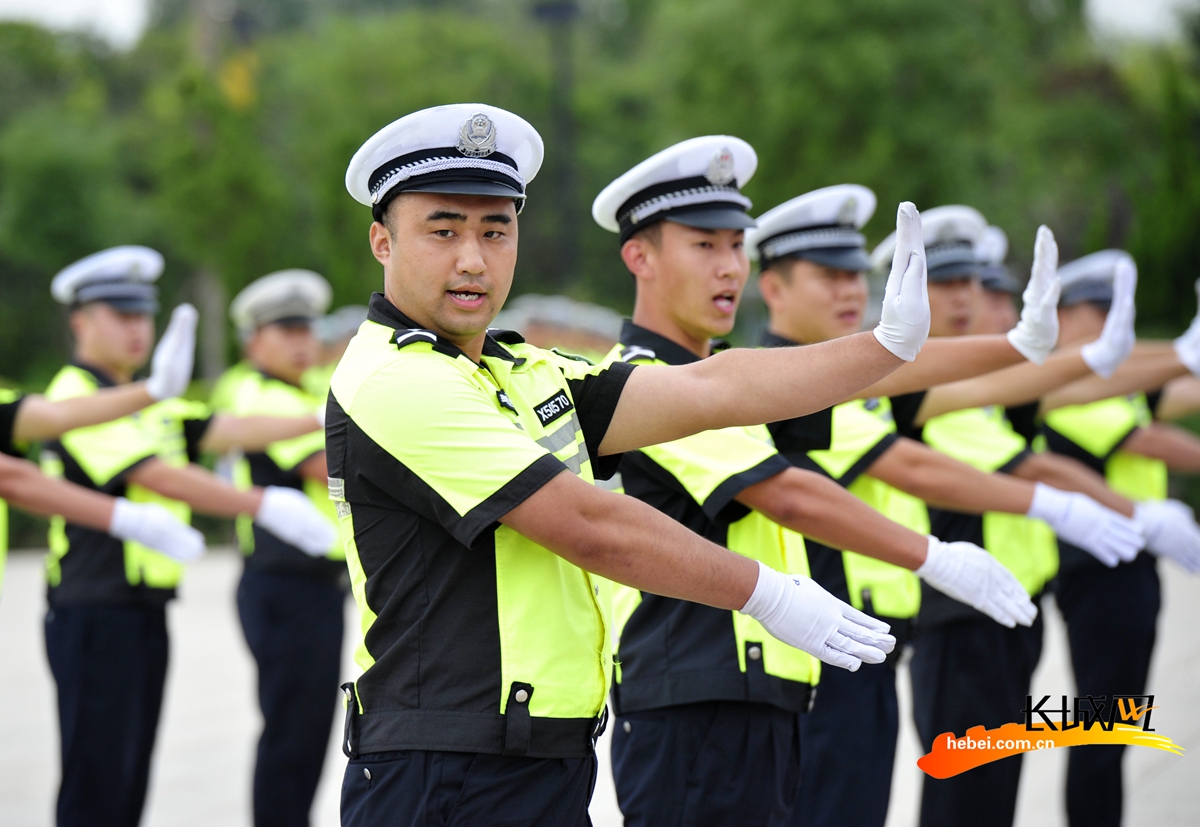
[[202, 766]]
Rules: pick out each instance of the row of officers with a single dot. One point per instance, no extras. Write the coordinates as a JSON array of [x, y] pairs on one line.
[[694, 536]]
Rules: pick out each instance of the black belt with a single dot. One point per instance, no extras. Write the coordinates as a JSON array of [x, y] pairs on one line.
[[514, 733]]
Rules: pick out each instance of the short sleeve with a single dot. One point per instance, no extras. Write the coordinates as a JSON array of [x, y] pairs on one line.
[[715, 466], [596, 391], [10, 403], [441, 446], [803, 434], [905, 408]]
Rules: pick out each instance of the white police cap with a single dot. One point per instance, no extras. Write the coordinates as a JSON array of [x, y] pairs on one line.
[[950, 234], [340, 324], [1090, 279], [696, 182], [456, 149], [120, 276], [991, 249], [288, 295], [821, 226]]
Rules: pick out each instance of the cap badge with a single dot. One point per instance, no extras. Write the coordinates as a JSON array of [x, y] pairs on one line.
[[720, 167], [477, 136], [849, 211]]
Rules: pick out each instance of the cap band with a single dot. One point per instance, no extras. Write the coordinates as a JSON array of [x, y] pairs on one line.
[[956, 256], [1086, 291], [811, 239], [425, 162], [116, 290], [658, 201]]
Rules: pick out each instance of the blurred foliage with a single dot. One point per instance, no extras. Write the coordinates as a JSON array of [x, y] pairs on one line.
[[222, 137]]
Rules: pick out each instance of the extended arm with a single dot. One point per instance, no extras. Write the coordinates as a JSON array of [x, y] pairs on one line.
[[253, 433], [1071, 475], [1151, 366], [23, 485], [1178, 448], [947, 360], [197, 487], [818, 507], [742, 387], [1180, 398], [39, 418], [944, 482]]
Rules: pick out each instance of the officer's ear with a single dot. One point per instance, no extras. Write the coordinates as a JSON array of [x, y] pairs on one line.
[[78, 317], [640, 250], [772, 282], [381, 242]]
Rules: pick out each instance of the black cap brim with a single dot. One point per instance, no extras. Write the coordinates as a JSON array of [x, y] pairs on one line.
[[837, 258], [954, 271], [1095, 292], [999, 280], [141, 307], [712, 218]]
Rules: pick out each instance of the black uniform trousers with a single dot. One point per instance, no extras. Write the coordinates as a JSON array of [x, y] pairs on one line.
[[109, 663], [719, 763], [293, 625], [969, 673], [460, 789], [849, 739], [1112, 617]]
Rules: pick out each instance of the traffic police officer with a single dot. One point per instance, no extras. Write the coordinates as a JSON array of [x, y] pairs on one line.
[[1112, 614], [480, 568], [25, 418], [106, 636], [707, 708], [812, 259], [290, 600]]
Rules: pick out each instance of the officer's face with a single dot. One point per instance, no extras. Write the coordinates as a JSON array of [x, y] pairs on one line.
[[113, 339], [994, 312], [695, 277], [283, 350], [448, 261], [951, 306], [1081, 322], [811, 303]]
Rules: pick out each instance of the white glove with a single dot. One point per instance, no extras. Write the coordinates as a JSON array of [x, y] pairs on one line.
[[794, 609], [904, 325], [1037, 332], [972, 576], [290, 515], [152, 525], [1108, 536], [1171, 531], [319, 413], [1187, 346], [171, 367], [1117, 339]]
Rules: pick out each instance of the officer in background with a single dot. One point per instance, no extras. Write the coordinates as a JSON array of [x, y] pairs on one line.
[[707, 706], [26, 418], [1112, 614], [290, 600], [813, 258], [106, 636], [481, 569], [333, 333]]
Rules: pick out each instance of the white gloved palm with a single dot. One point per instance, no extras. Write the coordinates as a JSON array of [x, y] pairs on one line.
[[1108, 536], [1037, 332], [1171, 531], [970, 575], [904, 323], [1187, 346], [154, 526], [1117, 339], [290, 515], [797, 611], [171, 367]]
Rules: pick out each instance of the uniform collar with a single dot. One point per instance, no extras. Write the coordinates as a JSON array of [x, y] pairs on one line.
[[103, 378], [381, 311], [664, 349], [769, 339]]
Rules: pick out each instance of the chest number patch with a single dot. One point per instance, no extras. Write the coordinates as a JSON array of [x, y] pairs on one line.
[[553, 408]]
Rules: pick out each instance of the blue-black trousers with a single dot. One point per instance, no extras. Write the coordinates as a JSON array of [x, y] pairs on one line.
[[965, 674], [459, 789], [849, 739], [715, 764], [293, 625], [1112, 618], [109, 663]]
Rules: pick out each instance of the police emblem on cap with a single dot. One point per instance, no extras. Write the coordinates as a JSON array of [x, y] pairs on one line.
[[848, 212], [720, 168], [477, 137]]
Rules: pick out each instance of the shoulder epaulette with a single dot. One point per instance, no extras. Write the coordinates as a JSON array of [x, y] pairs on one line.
[[574, 356], [404, 338], [636, 352], [508, 337]]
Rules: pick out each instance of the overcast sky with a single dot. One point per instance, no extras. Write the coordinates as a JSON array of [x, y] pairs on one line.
[[121, 21]]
